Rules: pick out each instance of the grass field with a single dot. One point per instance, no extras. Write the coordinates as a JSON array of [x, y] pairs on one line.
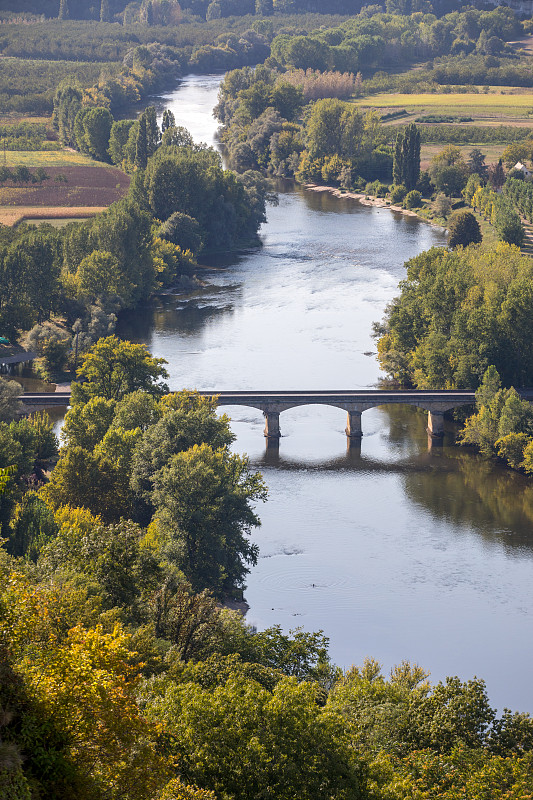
[[55, 158], [475, 101], [492, 152], [496, 106]]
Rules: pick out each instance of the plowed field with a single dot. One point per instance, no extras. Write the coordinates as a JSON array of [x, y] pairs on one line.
[[84, 186]]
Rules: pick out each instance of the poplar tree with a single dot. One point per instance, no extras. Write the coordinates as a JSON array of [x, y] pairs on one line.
[[141, 153], [105, 13], [153, 134], [406, 165], [63, 10], [169, 120]]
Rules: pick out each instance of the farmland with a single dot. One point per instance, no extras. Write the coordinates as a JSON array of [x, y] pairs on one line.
[[58, 217], [494, 108], [70, 191]]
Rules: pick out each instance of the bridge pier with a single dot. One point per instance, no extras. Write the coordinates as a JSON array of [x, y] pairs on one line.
[[436, 423], [353, 425], [272, 429]]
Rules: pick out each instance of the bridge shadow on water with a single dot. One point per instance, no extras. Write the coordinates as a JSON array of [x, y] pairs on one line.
[[452, 483]]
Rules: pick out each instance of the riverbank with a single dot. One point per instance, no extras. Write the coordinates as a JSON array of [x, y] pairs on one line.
[[367, 200]]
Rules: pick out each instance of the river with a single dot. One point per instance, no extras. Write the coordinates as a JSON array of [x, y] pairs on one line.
[[395, 551]]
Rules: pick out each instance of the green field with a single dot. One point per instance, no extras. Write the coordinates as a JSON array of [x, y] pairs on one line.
[[492, 152], [495, 105], [53, 158]]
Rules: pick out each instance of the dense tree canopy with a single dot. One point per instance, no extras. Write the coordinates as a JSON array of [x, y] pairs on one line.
[[458, 313]]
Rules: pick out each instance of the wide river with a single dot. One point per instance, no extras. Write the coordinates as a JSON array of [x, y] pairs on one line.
[[394, 551]]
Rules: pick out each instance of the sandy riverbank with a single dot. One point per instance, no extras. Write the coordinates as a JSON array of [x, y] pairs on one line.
[[365, 200]]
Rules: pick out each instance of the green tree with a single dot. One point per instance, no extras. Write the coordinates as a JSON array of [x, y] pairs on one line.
[[472, 185], [153, 134], [32, 526], [406, 164], [464, 229], [141, 147], [10, 404], [178, 430], [203, 499], [240, 738], [497, 176], [86, 424], [93, 132], [118, 139], [183, 230], [99, 275], [168, 121], [112, 369], [476, 163], [508, 223]]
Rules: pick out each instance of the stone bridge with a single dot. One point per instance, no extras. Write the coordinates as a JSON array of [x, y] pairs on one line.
[[272, 404]]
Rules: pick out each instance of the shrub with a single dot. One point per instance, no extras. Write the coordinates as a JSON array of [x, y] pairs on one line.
[[397, 193], [413, 199], [464, 229]]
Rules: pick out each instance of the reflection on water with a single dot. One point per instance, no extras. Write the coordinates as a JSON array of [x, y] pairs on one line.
[[394, 549]]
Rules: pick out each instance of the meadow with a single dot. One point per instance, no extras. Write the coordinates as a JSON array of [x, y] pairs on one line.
[[44, 158], [498, 106]]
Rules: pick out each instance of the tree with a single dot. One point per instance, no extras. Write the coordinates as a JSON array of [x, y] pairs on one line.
[[113, 369], [183, 230], [406, 164], [464, 229], [99, 275], [179, 429], [86, 424], [105, 12], [239, 738], [141, 147], [476, 163], [508, 223], [93, 132], [63, 9], [413, 199], [81, 727], [31, 527], [203, 499], [443, 205], [118, 139], [10, 404], [153, 134], [497, 175], [189, 621], [168, 121], [472, 185]]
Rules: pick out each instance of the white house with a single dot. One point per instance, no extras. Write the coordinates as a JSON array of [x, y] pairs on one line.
[[524, 170]]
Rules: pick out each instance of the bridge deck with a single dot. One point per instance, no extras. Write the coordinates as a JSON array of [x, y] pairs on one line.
[[300, 396]]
